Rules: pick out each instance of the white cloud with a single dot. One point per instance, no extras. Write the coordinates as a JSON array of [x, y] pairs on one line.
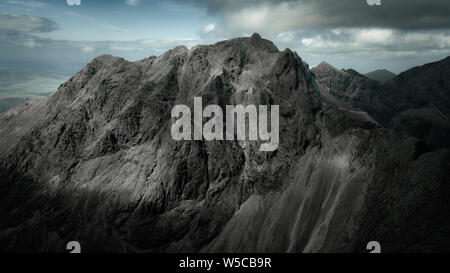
[[376, 36], [115, 28], [251, 19], [31, 4], [369, 42], [209, 28], [30, 43], [214, 32], [87, 49], [286, 37], [132, 2], [73, 2], [25, 23]]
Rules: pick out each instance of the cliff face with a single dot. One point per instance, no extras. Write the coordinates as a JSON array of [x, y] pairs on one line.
[[96, 163]]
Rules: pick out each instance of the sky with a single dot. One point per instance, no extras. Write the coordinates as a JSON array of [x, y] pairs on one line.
[[61, 36]]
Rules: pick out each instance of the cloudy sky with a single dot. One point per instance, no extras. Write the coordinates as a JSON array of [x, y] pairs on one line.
[[54, 36]]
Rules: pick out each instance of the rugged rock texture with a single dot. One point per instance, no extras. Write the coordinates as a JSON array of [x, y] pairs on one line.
[[416, 102], [343, 87], [96, 163]]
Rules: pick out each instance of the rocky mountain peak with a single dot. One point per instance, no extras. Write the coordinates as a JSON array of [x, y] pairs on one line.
[[256, 36], [255, 42], [261, 43], [324, 66], [97, 163]]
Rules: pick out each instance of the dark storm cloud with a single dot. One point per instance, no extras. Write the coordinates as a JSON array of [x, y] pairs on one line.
[[341, 30], [346, 33], [291, 14]]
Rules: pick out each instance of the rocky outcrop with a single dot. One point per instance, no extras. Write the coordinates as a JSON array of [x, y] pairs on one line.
[[345, 85], [96, 163]]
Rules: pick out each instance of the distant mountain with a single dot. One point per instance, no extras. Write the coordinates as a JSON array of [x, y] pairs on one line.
[[381, 75], [96, 162], [416, 102]]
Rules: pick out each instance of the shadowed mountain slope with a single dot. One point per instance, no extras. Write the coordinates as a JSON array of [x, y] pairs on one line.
[[416, 102]]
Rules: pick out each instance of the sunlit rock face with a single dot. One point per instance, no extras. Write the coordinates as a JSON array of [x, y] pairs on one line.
[[96, 163]]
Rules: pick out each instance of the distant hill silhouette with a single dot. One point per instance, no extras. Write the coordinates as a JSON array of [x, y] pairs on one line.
[[381, 75]]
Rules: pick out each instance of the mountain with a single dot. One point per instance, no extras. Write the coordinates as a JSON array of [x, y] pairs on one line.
[[96, 163], [416, 102], [381, 75], [343, 85]]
